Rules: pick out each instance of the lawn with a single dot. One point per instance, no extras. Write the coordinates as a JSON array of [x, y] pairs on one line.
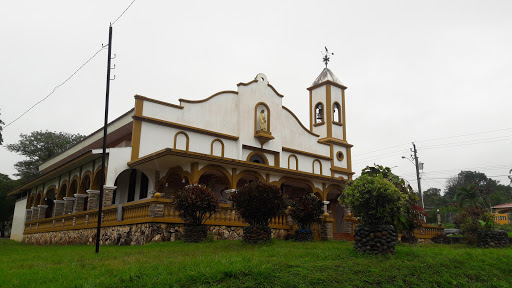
[[234, 264]]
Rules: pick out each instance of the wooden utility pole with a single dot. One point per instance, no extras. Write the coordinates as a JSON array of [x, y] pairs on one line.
[[103, 156], [418, 174]]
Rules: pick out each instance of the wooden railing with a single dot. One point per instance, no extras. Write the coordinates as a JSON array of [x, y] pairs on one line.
[[428, 231], [137, 212]]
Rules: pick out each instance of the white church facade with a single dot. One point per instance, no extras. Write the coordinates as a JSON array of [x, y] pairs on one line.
[[222, 141]]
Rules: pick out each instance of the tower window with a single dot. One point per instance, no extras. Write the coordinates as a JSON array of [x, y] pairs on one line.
[[336, 113], [319, 113]]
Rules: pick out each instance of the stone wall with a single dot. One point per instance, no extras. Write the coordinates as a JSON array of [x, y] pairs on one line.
[[135, 234]]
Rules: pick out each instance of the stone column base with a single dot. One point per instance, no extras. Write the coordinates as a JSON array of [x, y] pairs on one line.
[[69, 203], [79, 203], [93, 203], [42, 211], [59, 207]]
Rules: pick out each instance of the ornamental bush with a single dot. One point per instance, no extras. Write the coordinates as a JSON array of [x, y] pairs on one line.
[[258, 202], [195, 204], [306, 210], [374, 199], [471, 220]]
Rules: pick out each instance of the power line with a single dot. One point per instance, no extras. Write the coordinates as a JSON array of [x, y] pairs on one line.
[[122, 13], [67, 79], [449, 137], [56, 87]]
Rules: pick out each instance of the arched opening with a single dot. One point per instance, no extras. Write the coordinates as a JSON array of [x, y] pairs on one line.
[[73, 188], [336, 210], [295, 189], [84, 186], [336, 114], [62, 192], [37, 201], [217, 181], [132, 185], [181, 141], [96, 184], [317, 166], [246, 179], [48, 199], [256, 158], [319, 113], [217, 148]]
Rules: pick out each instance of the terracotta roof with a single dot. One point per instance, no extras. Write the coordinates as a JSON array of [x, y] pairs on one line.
[[507, 205]]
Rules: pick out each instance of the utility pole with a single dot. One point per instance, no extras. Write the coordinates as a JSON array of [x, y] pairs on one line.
[[418, 174], [103, 156]]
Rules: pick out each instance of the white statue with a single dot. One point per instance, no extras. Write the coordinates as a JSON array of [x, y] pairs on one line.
[[263, 121]]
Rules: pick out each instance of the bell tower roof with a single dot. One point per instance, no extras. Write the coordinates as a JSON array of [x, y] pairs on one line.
[[326, 75]]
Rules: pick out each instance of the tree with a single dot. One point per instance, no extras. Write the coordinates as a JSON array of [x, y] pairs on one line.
[[484, 186], [1, 128], [432, 198], [6, 202], [38, 147]]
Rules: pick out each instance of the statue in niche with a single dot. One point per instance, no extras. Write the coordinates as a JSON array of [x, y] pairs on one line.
[[263, 120]]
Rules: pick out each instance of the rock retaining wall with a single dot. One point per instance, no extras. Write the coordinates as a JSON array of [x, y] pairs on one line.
[[380, 239], [136, 234], [492, 239]]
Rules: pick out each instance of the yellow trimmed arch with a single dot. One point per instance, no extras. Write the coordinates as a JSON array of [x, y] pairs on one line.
[[222, 147], [296, 162], [75, 180], [262, 155], [320, 163], [238, 176], [186, 142], [210, 167]]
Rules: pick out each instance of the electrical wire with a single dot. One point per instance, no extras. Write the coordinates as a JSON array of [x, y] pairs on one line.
[[67, 79], [56, 87]]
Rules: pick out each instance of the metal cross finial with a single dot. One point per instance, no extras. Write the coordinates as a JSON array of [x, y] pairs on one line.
[[327, 56]]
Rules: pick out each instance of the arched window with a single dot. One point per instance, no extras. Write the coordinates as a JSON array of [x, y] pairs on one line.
[[319, 113], [257, 159], [336, 115]]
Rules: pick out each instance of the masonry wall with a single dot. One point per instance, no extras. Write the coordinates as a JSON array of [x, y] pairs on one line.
[[136, 234]]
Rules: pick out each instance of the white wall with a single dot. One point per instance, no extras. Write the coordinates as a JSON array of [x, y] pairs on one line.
[[18, 221]]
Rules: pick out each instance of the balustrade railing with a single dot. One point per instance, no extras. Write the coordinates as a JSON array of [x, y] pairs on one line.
[[138, 212]]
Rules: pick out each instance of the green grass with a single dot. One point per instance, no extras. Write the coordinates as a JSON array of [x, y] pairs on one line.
[[234, 264]]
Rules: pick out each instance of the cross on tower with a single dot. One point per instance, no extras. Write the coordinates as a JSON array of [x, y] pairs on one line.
[[327, 56]]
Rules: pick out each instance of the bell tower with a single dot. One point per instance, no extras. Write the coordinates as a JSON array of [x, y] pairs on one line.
[[327, 119]]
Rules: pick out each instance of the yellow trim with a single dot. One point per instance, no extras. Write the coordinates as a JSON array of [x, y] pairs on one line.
[[325, 83], [295, 151], [329, 140], [185, 127], [319, 162], [176, 138], [300, 123], [275, 91], [307, 182], [137, 127], [53, 172], [343, 116], [336, 121], [48, 189], [227, 161], [82, 178], [349, 162], [248, 83], [140, 97], [296, 162], [342, 170], [39, 196], [206, 99], [311, 111], [328, 109], [261, 154], [219, 168], [323, 114], [63, 183], [256, 116], [243, 173], [222, 147], [340, 157]]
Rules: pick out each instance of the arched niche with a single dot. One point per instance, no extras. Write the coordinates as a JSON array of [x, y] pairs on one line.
[[217, 148], [181, 141], [261, 117], [257, 157], [317, 167], [293, 162]]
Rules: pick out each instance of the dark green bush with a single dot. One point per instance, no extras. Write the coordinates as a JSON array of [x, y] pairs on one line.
[[259, 202], [195, 204], [306, 210], [374, 199], [469, 222]]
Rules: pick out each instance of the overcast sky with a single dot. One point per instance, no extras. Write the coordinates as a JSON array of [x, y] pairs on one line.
[[424, 71]]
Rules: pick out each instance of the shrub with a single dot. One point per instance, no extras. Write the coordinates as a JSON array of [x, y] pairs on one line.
[[195, 204], [374, 199], [411, 214], [258, 202], [306, 210], [468, 221]]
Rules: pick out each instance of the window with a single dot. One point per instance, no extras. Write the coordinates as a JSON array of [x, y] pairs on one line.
[[336, 113], [257, 159], [319, 113]]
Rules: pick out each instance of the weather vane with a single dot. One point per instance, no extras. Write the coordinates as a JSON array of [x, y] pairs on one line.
[[327, 56]]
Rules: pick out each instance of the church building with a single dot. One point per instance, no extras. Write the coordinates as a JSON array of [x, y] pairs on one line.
[[223, 141]]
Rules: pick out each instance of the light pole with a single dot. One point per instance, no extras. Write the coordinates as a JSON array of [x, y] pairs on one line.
[[419, 166]]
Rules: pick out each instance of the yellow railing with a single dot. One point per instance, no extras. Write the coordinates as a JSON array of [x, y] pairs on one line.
[[138, 212]]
